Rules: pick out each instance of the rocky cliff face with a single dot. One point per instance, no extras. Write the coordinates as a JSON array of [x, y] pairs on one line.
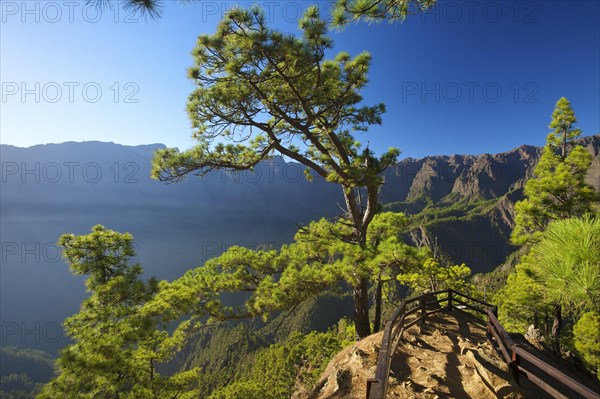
[[471, 176], [466, 202], [465, 176]]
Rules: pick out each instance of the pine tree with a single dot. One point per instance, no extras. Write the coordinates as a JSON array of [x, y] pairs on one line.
[[557, 189], [559, 276], [117, 342], [261, 92], [563, 119]]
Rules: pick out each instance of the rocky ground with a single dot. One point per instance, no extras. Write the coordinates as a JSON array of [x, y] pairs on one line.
[[449, 358]]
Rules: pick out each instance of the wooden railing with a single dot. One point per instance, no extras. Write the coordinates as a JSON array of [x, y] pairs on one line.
[[520, 361]]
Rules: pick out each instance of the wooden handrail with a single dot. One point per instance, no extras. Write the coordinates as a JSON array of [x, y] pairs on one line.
[[512, 353], [377, 387]]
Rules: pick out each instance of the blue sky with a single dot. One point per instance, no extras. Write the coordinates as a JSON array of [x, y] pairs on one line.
[[469, 77]]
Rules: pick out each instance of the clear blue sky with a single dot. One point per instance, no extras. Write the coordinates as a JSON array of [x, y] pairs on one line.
[[470, 77]]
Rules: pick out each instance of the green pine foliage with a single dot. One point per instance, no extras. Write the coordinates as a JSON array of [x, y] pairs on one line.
[[277, 370], [562, 123], [117, 343], [435, 276], [560, 273], [347, 11], [344, 12], [568, 262], [521, 302], [561, 268], [587, 339], [144, 8], [558, 189], [322, 256]]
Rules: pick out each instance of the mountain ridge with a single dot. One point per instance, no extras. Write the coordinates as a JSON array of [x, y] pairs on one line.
[[462, 202]]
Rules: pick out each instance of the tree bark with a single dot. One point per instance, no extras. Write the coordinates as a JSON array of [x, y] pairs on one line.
[[360, 291], [378, 301], [556, 326], [361, 309], [564, 145]]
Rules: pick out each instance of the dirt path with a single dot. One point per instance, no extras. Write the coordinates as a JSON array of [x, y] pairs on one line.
[[449, 358]]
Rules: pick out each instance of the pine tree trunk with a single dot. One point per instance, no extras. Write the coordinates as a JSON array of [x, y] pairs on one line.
[[378, 302], [556, 326], [564, 146], [360, 219], [361, 309]]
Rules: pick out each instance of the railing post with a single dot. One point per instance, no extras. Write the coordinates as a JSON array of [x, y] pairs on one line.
[[488, 332], [423, 306], [370, 383], [514, 365], [449, 307]]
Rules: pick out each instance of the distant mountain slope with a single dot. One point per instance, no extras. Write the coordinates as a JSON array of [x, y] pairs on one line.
[[471, 176], [23, 371], [48, 190], [465, 201], [464, 176]]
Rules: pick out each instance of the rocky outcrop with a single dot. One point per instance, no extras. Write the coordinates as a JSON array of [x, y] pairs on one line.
[[471, 176], [450, 357], [478, 237]]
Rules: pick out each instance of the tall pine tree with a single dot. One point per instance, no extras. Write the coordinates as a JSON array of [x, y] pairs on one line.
[[260, 91], [118, 343], [557, 189]]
